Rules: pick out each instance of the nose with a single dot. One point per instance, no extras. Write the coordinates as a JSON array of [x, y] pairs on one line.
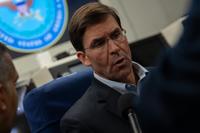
[[112, 46]]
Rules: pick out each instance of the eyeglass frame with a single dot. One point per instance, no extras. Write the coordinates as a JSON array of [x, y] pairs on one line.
[[122, 37]]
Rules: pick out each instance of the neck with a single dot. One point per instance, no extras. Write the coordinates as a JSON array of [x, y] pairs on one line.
[[132, 78]]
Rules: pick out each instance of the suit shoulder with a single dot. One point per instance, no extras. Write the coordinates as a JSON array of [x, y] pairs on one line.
[[81, 107]]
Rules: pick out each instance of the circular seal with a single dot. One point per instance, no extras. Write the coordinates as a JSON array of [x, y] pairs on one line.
[[32, 25]]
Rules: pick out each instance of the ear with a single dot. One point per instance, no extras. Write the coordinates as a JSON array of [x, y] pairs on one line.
[[2, 100], [83, 58]]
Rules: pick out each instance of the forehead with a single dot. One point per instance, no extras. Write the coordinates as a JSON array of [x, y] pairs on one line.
[[100, 29]]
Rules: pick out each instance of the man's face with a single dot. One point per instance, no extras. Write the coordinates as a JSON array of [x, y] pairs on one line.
[[9, 96], [113, 60]]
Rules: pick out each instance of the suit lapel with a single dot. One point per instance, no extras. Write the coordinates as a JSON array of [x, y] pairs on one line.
[[107, 96], [112, 102]]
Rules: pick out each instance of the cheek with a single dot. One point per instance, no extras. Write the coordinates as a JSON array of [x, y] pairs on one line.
[[14, 104], [99, 58], [13, 97], [127, 50]]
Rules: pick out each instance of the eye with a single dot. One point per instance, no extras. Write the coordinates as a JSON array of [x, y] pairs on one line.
[[115, 34], [98, 43]]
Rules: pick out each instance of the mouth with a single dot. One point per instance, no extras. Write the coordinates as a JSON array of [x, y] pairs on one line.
[[120, 61]]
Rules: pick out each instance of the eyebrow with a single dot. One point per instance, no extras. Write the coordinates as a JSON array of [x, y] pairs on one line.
[[115, 30], [97, 39], [102, 37]]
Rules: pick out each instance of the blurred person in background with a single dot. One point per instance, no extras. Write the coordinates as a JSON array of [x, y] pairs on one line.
[[171, 93], [8, 94]]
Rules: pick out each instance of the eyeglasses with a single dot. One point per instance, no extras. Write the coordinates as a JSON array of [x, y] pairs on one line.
[[117, 36]]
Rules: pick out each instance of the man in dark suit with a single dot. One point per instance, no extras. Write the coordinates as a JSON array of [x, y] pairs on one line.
[[97, 35], [8, 93], [171, 93]]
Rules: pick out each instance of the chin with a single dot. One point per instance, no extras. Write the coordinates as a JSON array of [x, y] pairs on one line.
[[119, 76]]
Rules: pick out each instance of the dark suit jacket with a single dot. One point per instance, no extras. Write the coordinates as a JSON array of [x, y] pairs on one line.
[[170, 98], [95, 112]]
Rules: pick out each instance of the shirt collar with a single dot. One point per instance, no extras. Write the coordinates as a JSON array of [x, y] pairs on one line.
[[140, 70], [119, 86]]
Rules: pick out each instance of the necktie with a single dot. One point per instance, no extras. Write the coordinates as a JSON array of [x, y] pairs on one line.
[[131, 88]]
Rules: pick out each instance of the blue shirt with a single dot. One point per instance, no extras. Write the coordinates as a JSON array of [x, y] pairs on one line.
[[119, 86]]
